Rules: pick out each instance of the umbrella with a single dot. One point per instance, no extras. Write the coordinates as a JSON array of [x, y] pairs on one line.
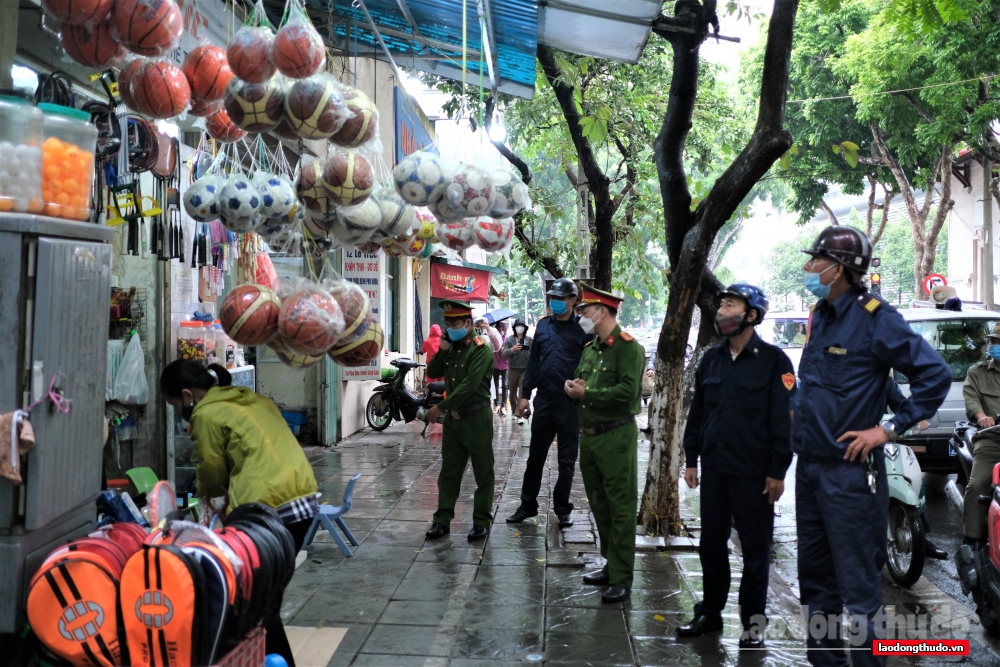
[[498, 315]]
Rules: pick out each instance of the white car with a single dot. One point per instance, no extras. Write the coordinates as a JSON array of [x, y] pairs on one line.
[[787, 331]]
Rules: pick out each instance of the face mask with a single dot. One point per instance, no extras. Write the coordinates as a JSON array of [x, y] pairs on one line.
[[456, 335], [587, 325], [557, 307], [519, 331], [729, 325], [993, 351], [814, 285]]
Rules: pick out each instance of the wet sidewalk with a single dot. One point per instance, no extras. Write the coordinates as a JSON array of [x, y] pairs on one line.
[[519, 596]]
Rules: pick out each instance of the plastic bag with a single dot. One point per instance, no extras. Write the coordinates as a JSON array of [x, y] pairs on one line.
[[266, 273], [160, 89], [354, 305], [510, 194], [299, 51], [310, 320], [131, 387], [147, 27], [251, 52]]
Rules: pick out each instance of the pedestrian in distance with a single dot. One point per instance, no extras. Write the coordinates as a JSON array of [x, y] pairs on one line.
[[430, 347], [516, 350], [743, 469], [854, 339], [554, 355], [982, 404], [500, 370], [607, 389], [465, 360]]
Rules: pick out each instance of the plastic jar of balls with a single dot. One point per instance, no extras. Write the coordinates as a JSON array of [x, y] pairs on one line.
[[67, 162], [21, 136], [192, 340]]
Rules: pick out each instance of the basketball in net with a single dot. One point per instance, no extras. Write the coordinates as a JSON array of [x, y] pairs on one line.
[[283, 130], [250, 54], [160, 90], [220, 128], [310, 188], [92, 47], [254, 107], [204, 109], [363, 350], [354, 305], [348, 177], [315, 107], [147, 27], [125, 78], [207, 71], [311, 321], [360, 127], [290, 357], [249, 314], [299, 51], [79, 12]]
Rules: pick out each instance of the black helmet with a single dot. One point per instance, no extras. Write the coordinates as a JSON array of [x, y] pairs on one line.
[[753, 295], [563, 287], [845, 245]]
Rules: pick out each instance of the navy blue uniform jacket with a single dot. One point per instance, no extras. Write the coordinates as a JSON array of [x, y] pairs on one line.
[[555, 353]]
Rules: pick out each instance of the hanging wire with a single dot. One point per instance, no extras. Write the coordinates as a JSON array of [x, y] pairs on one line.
[[378, 36]]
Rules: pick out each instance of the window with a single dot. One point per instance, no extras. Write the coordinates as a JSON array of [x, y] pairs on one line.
[[961, 343], [784, 333]]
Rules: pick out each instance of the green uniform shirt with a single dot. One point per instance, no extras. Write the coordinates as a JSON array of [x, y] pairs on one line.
[[612, 370], [467, 369], [982, 391]]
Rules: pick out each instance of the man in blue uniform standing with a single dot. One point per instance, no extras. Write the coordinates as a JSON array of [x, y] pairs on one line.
[[742, 469], [841, 492], [555, 354]]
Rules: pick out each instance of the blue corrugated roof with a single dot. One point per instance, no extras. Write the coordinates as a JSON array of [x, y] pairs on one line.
[[515, 27]]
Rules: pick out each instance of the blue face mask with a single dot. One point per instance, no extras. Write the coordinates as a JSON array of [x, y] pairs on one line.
[[993, 351], [558, 307], [456, 335], [814, 285]]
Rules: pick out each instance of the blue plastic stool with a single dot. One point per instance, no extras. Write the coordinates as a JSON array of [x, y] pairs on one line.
[[328, 515]]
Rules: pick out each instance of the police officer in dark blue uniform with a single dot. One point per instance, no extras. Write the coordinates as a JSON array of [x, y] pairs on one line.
[[555, 354], [739, 425], [841, 491]]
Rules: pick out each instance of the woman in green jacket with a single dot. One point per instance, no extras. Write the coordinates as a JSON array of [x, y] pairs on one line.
[[243, 447]]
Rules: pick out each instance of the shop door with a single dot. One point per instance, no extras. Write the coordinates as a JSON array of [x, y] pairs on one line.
[[330, 384]]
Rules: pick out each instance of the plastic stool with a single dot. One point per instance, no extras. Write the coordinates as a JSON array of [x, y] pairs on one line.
[[328, 515], [143, 478]]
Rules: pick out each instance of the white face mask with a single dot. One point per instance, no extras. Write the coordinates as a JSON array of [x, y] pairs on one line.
[[587, 324]]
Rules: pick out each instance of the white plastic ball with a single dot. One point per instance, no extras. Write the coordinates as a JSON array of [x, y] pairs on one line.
[[397, 216], [364, 218]]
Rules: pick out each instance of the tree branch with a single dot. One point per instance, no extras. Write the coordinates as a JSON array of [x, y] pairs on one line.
[[871, 207], [502, 148], [886, 201], [916, 105], [829, 212], [532, 250], [902, 180]]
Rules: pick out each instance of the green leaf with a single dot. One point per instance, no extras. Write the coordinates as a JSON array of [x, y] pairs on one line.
[[852, 158], [836, 149], [850, 145], [604, 113], [785, 161], [794, 149], [578, 100]]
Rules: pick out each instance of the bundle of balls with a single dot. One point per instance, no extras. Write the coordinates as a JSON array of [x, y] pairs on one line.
[[244, 204], [472, 206], [307, 322]]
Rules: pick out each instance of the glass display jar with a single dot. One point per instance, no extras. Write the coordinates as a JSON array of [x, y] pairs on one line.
[[67, 162], [192, 341], [21, 136]]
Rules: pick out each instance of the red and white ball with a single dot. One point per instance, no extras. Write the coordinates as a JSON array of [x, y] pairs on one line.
[[493, 234], [470, 191]]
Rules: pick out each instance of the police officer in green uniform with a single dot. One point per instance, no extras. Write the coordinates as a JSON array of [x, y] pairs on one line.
[[465, 361], [608, 391]]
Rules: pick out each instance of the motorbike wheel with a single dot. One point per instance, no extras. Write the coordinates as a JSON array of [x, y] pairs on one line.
[[378, 413], [906, 545]]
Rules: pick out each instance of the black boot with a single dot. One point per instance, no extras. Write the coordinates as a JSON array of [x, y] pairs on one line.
[[931, 550], [521, 514], [599, 578], [437, 530], [564, 520], [615, 593], [478, 533], [701, 624]]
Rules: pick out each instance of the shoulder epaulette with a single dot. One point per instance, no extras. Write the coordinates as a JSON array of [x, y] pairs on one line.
[[589, 342], [626, 336], [869, 302], [478, 341]]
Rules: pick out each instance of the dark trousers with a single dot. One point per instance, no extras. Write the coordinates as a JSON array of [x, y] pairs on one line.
[[275, 640], [727, 501], [500, 387], [552, 417], [842, 529]]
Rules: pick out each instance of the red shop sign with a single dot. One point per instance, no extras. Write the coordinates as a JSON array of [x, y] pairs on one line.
[[459, 282]]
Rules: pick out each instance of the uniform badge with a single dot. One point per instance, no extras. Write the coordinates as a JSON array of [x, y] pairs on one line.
[[788, 379], [611, 341]]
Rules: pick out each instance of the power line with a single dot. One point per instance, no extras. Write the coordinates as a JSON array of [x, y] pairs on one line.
[[893, 92]]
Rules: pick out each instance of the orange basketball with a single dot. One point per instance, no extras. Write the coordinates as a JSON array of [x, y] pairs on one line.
[[348, 177], [250, 54], [310, 321], [207, 70], [161, 90], [147, 27], [254, 107], [125, 78], [315, 107], [310, 188], [204, 109], [359, 128], [354, 305], [362, 351], [299, 50], [290, 357], [220, 128], [79, 12], [249, 314], [92, 48], [284, 131]]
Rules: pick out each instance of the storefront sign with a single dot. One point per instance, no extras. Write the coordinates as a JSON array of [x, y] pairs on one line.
[[365, 270], [412, 134], [459, 282]]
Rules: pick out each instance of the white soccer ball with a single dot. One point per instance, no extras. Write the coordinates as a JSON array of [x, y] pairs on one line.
[[239, 203], [364, 217], [317, 225], [349, 235], [470, 191], [419, 178], [456, 235], [276, 193], [445, 212], [510, 194], [201, 199], [398, 217], [491, 234]]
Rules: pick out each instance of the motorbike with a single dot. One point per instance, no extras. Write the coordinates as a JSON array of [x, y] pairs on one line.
[[979, 565], [393, 400], [907, 538]]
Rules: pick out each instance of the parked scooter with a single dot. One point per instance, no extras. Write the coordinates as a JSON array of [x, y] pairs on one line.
[[393, 400], [979, 565], [907, 538]]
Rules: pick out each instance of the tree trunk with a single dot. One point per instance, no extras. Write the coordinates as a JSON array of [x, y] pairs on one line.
[[690, 235], [829, 213]]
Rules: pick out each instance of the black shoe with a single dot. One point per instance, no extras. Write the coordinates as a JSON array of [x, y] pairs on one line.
[[599, 578], [564, 520], [931, 550], [478, 533], [699, 625], [437, 530], [521, 514], [746, 641], [615, 593]]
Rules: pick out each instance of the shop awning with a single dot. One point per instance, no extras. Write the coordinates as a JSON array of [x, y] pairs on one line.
[[614, 30]]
